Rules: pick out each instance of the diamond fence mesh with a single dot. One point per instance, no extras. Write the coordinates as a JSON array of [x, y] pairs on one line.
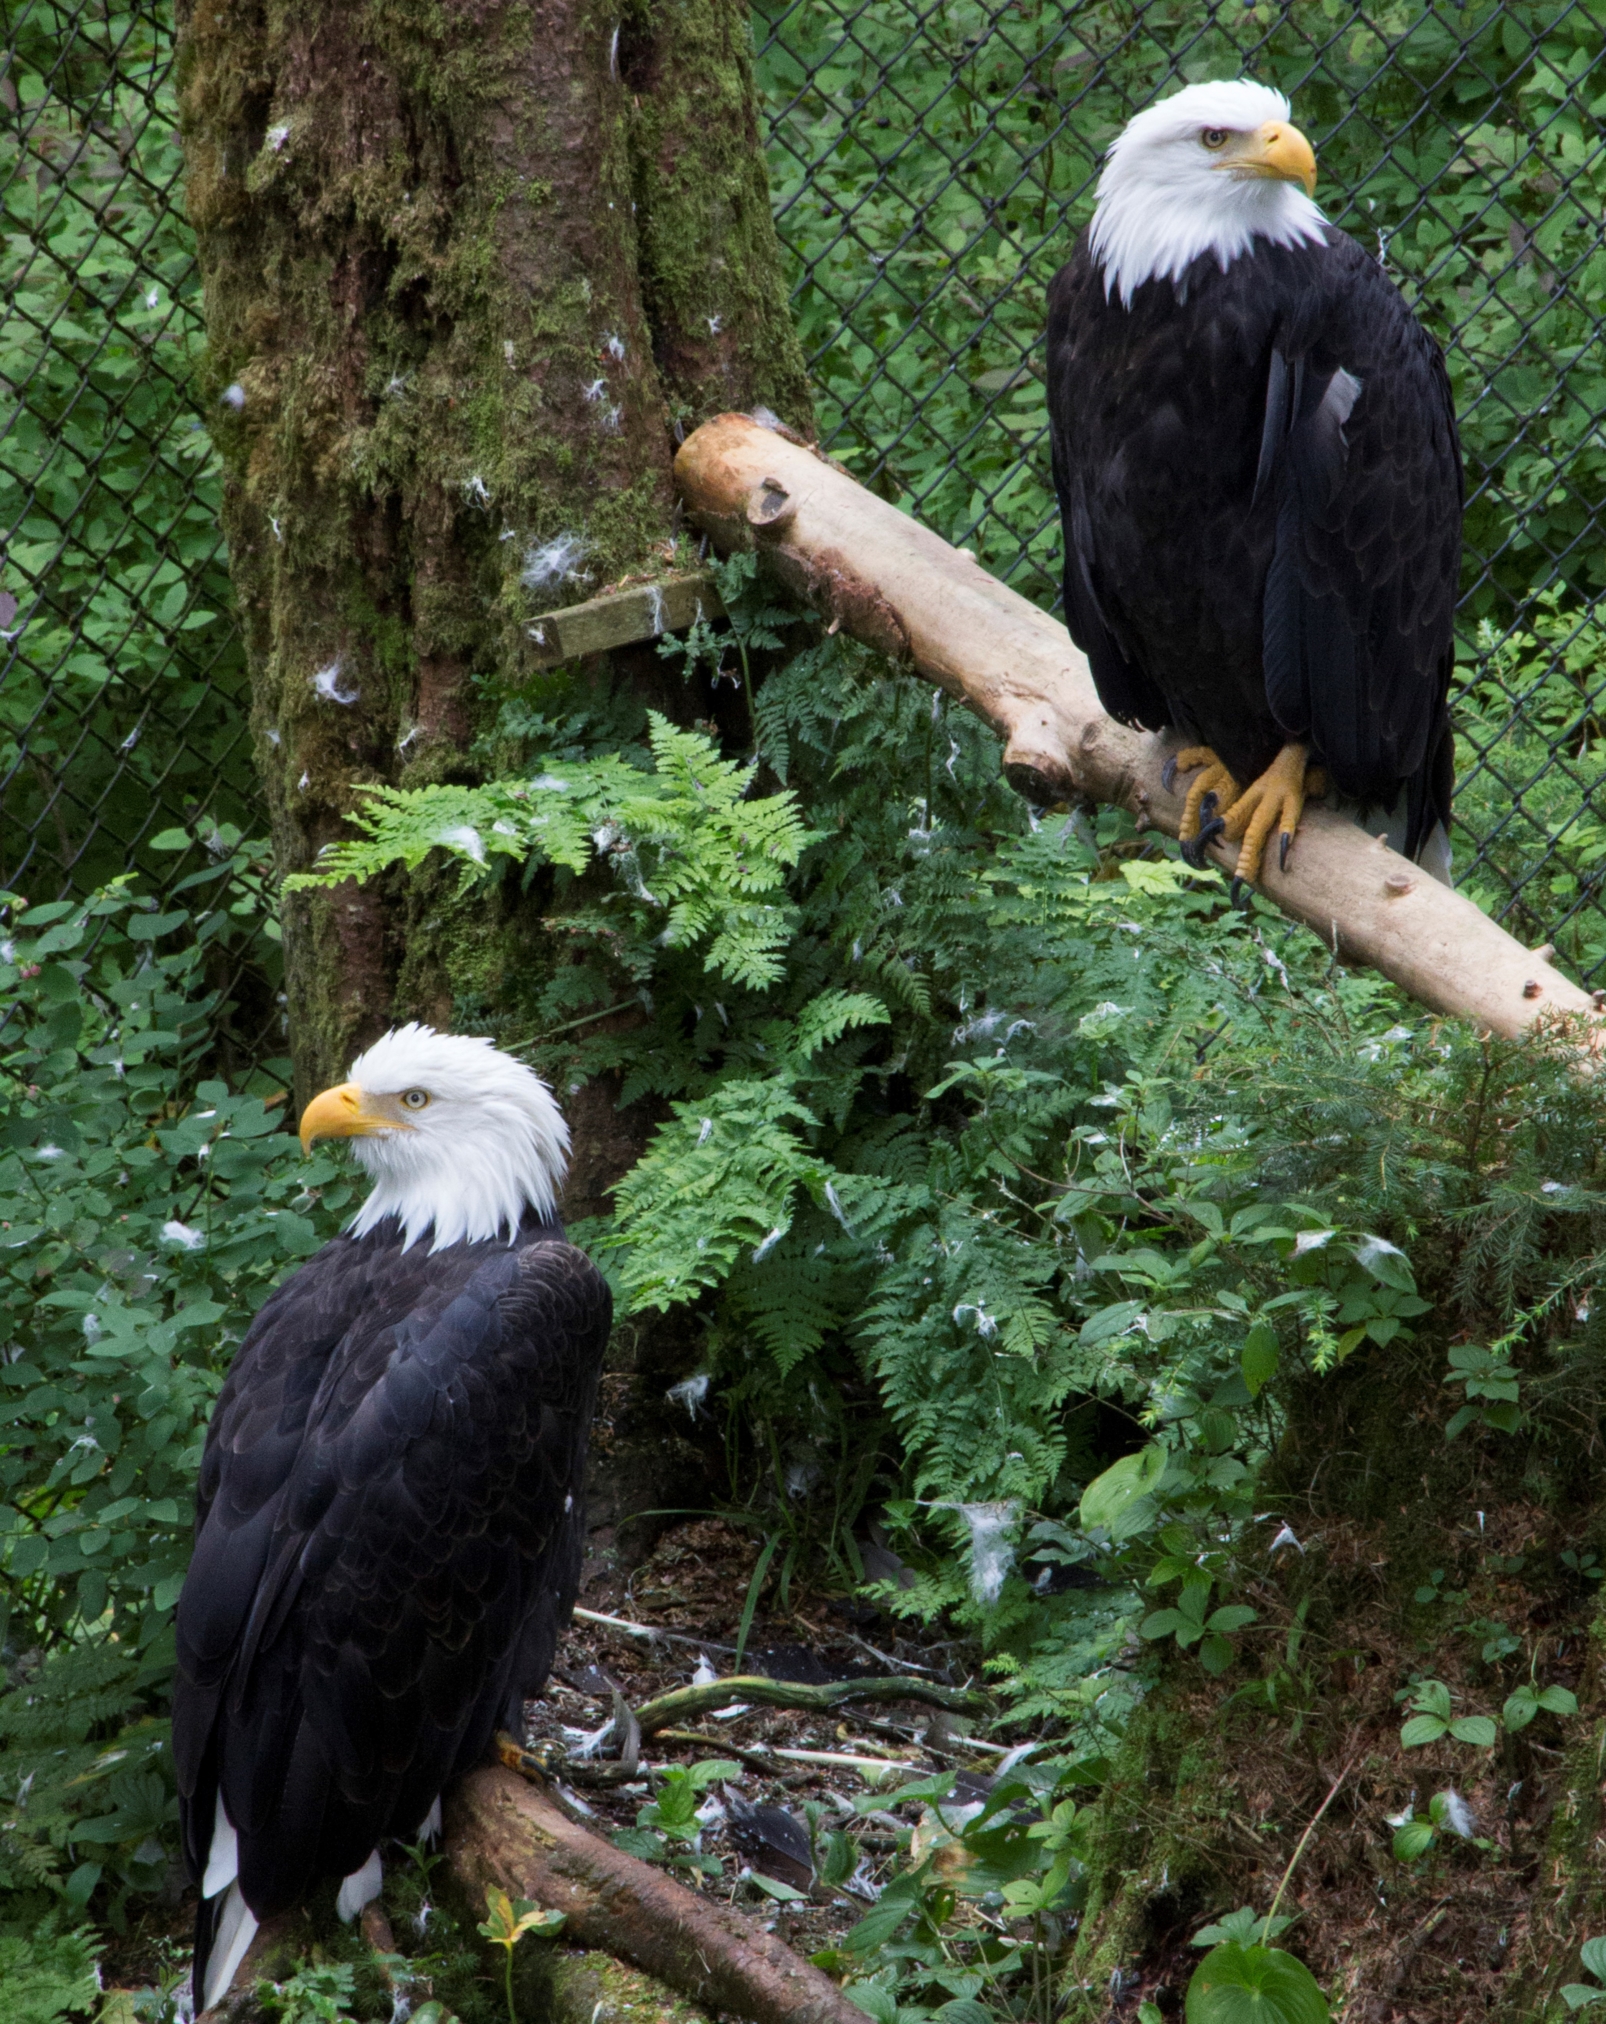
[[931, 163], [123, 705]]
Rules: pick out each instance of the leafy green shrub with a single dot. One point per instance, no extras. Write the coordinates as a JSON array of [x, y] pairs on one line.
[[1017, 1855], [49, 1975], [942, 1145], [1433, 1720], [667, 1828], [145, 1209]]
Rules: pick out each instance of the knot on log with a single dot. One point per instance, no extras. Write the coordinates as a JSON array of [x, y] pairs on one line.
[[1033, 781], [770, 508]]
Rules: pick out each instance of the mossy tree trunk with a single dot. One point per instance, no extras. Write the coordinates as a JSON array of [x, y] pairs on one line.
[[471, 270]]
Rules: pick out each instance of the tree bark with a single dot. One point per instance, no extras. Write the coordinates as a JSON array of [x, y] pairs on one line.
[[470, 271], [895, 584]]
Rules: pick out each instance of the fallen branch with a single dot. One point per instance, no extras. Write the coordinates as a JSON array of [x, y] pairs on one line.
[[889, 581], [500, 1830], [682, 1703]]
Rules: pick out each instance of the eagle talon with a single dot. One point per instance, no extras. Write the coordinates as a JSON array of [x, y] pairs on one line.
[[1210, 794], [1194, 847], [1168, 774], [1273, 802]]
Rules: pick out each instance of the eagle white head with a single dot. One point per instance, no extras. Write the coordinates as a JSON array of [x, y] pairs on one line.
[[1208, 170], [460, 1139]]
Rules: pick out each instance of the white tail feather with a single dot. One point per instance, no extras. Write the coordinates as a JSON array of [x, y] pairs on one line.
[[236, 1929], [430, 1827], [222, 1855], [360, 1888]]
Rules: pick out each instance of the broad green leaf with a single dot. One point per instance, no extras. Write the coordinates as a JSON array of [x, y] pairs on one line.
[[1239, 1984], [1412, 1839], [1108, 1495], [1258, 1359], [1422, 1729], [507, 1919], [1593, 1955]]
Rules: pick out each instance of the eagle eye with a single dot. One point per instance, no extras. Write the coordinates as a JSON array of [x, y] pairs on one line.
[[415, 1099], [1214, 137]]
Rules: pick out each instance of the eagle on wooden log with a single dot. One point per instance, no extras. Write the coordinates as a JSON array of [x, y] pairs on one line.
[[388, 1526], [1259, 479]]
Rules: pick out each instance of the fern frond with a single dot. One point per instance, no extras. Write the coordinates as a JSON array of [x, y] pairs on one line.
[[700, 863]]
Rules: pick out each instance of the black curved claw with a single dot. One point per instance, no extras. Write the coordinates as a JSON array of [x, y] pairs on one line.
[[1284, 844], [1237, 896], [1194, 851], [1168, 774]]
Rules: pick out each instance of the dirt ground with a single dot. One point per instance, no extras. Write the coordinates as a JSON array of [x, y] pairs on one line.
[[689, 1593]]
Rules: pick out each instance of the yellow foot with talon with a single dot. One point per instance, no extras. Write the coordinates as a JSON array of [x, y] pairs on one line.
[[1275, 801], [1209, 797]]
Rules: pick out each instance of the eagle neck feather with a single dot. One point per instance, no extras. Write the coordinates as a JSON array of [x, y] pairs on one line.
[[1137, 235], [488, 1191]]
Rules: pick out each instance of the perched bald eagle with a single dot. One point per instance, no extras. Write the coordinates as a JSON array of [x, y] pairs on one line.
[[1259, 483], [387, 1530]]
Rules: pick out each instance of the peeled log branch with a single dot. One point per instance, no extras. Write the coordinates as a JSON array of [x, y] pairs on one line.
[[889, 581], [499, 1830]]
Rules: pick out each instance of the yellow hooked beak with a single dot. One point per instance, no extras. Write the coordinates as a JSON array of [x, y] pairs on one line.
[[346, 1111], [1281, 151]]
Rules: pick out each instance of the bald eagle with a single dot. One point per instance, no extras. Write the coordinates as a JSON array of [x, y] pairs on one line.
[[387, 1527], [1255, 452]]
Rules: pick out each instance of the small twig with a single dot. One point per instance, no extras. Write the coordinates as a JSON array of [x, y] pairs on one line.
[[886, 1658], [1304, 1839], [650, 1631], [568, 1026], [758, 1758], [847, 1758]]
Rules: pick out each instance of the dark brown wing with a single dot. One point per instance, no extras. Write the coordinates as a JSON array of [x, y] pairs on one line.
[[1361, 456], [388, 1543]]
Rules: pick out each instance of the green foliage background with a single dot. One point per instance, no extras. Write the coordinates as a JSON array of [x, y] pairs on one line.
[[1016, 1184]]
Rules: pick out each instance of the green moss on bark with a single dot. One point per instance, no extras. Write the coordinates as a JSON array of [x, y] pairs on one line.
[[464, 275]]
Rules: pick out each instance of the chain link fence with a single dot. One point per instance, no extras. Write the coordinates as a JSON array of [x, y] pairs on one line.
[[931, 163], [123, 701]]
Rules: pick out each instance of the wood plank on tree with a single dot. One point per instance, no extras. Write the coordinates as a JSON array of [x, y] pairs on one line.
[[886, 579], [619, 618]]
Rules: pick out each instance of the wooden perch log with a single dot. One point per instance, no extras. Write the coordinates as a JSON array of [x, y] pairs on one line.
[[891, 582], [500, 1830]]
